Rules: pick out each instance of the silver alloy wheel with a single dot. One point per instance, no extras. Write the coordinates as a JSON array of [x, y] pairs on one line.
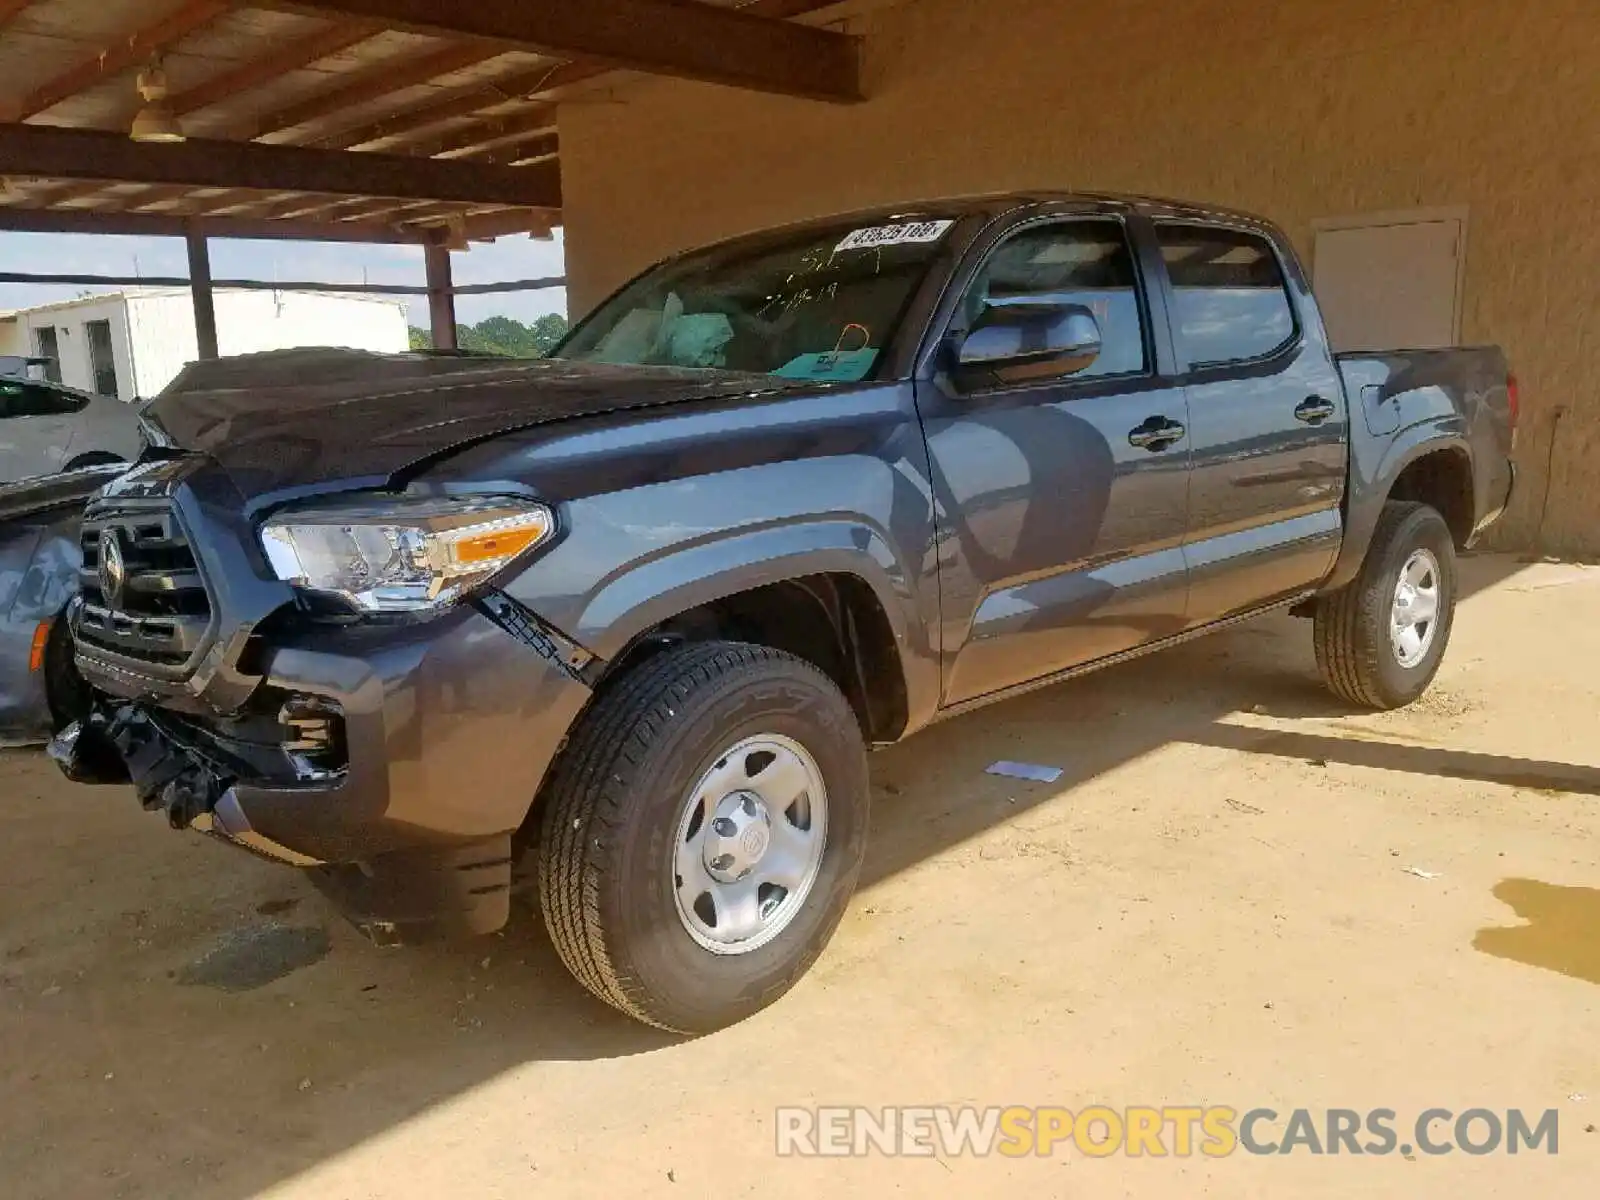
[[749, 844], [1414, 617]]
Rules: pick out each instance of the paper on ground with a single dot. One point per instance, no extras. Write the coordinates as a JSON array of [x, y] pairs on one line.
[[1017, 770]]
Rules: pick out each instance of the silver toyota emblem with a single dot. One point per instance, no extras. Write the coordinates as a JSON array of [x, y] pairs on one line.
[[113, 570]]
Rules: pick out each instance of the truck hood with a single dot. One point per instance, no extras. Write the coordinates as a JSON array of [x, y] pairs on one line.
[[292, 418]]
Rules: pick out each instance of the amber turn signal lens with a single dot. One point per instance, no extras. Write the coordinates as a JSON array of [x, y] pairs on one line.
[[502, 544], [41, 639]]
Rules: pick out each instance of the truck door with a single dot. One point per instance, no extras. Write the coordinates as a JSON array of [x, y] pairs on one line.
[[1061, 497], [1267, 419]]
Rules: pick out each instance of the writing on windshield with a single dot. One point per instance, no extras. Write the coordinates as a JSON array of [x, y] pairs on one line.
[[817, 304]]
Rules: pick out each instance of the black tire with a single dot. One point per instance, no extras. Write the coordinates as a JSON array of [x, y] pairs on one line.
[[66, 691], [612, 811], [1354, 652]]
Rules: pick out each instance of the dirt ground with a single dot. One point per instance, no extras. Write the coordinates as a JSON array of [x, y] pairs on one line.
[[1216, 904]]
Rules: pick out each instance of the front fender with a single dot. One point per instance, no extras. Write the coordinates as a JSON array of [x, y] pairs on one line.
[[646, 595], [632, 559], [650, 593]]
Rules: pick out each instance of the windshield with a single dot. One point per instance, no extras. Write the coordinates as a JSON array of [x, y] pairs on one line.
[[818, 304]]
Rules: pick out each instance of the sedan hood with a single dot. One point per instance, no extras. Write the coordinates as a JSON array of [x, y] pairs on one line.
[[292, 418]]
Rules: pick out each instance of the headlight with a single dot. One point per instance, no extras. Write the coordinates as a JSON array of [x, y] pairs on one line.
[[403, 555]]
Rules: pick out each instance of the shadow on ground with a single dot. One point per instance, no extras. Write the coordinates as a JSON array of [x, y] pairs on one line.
[[141, 1067]]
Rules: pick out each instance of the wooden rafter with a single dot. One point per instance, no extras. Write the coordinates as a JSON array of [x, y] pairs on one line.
[[10, 9], [347, 209], [135, 48], [695, 41], [489, 226], [195, 206], [374, 83], [373, 209], [526, 84], [515, 151], [508, 136], [164, 225], [324, 43], [492, 133], [367, 85], [61, 153], [515, 86]]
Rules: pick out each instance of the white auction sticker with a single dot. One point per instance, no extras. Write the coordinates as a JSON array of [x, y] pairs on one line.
[[893, 235]]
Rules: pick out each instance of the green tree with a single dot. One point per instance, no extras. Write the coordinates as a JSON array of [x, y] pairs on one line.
[[502, 335], [547, 331]]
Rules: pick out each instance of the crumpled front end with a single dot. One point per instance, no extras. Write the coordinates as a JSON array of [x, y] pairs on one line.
[[394, 759]]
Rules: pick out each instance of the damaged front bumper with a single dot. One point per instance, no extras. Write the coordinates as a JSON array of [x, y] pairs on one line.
[[128, 745], [394, 763]]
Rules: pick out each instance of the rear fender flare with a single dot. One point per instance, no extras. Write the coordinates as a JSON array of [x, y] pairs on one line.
[[1371, 483]]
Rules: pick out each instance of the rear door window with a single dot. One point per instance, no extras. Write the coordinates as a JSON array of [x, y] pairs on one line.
[[1231, 303], [19, 399]]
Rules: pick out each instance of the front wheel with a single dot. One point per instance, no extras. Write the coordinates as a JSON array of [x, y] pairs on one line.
[[1381, 637], [703, 832]]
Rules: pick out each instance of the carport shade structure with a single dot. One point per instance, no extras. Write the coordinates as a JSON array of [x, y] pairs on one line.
[[412, 121]]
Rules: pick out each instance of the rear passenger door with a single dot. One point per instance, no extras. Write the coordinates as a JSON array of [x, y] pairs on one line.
[[1061, 501], [1267, 419]]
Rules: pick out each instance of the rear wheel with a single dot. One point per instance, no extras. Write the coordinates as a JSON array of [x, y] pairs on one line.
[[1381, 638], [703, 832]]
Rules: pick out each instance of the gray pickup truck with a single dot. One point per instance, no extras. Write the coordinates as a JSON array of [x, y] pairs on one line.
[[636, 611]]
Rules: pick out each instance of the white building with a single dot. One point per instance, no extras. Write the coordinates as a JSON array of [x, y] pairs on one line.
[[131, 343]]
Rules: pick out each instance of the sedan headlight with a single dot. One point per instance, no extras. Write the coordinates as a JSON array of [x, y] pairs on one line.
[[404, 554]]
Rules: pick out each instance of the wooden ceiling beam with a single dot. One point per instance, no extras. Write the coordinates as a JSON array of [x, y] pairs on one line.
[[62, 192], [373, 209], [727, 46], [223, 201], [516, 86], [489, 226], [134, 49], [324, 43], [349, 207], [514, 151], [162, 225], [10, 9], [378, 81], [491, 132], [54, 152]]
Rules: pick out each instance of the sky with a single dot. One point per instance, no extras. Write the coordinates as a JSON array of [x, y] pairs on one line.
[[328, 262]]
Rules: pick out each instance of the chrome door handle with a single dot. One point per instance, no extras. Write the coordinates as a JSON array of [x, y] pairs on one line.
[[1314, 410], [1157, 433]]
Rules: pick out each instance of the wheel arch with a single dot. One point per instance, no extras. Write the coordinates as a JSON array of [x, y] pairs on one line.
[[93, 458], [782, 586], [1426, 468]]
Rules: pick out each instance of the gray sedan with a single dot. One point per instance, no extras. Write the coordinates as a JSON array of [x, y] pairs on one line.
[[45, 427]]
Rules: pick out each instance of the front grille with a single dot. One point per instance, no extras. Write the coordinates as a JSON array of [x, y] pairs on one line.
[[161, 612]]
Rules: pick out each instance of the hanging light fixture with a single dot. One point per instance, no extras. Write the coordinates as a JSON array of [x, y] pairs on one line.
[[155, 121]]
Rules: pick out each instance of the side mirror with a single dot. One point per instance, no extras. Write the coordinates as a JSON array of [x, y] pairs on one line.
[[1028, 337]]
